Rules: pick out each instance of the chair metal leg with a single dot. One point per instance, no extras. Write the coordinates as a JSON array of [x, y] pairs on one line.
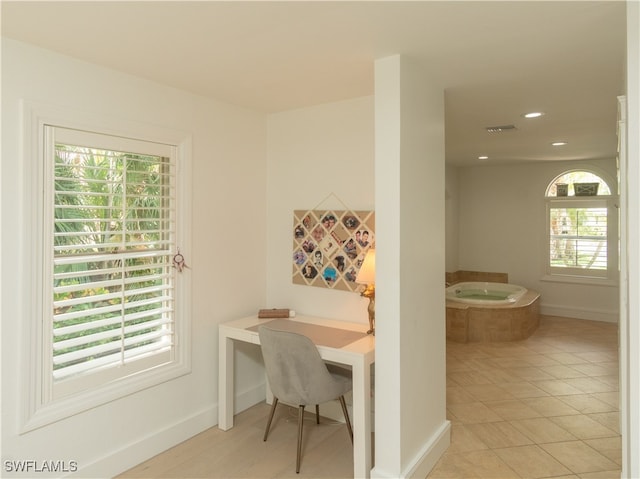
[[346, 417], [273, 410], [300, 422], [317, 414]]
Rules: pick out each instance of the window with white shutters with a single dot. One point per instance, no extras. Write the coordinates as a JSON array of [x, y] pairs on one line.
[[582, 227], [111, 294]]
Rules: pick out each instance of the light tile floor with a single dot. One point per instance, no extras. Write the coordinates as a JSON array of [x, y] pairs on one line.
[[546, 407]]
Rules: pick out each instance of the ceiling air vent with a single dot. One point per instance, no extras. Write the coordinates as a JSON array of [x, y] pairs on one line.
[[497, 129]]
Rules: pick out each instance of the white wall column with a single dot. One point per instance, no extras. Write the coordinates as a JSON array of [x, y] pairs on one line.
[[630, 296], [411, 426]]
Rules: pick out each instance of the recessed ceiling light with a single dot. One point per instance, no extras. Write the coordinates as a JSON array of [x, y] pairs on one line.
[[558, 143], [533, 114], [483, 157]]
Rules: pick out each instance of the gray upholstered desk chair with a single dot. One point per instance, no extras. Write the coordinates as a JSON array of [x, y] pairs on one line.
[[298, 376]]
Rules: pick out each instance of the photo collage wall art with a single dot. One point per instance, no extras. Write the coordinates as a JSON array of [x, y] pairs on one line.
[[329, 247]]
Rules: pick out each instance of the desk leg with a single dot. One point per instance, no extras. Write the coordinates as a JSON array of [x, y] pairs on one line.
[[361, 419], [225, 382]]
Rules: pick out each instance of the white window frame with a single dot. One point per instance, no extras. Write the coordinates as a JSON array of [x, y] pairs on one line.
[[608, 277], [39, 404]]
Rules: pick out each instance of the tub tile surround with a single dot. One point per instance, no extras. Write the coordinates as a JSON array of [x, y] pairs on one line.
[[462, 276], [547, 425], [495, 323]]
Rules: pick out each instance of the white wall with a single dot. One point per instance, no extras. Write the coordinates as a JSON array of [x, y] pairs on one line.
[[317, 157], [226, 259], [451, 209], [501, 219]]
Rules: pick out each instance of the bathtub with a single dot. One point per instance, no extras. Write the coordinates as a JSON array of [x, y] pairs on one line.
[[490, 312], [484, 293]]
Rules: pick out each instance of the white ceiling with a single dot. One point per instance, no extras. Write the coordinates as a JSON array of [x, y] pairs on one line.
[[495, 60]]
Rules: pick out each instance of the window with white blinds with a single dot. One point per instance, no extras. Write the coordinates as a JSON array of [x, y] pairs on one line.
[[582, 227], [578, 238], [112, 224]]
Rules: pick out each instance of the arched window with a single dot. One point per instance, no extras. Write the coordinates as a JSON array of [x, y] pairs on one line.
[[578, 183], [582, 228]]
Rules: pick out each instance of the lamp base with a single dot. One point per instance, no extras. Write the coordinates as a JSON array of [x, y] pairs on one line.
[[370, 292]]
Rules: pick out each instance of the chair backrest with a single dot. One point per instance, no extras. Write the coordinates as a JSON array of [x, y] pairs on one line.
[[297, 374]]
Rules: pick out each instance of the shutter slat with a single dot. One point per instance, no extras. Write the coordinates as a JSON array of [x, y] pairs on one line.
[[143, 338], [110, 257], [87, 366], [65, 303], [147, 302], [87, 286], [103, 323], [88, 352], [90, 338], [109, 283], [97, 364], [113, 345], [104, 309], [143, 314], [147, 325], [113, 334], [86, 326], [147, 350], [87, 312], [112, 246]]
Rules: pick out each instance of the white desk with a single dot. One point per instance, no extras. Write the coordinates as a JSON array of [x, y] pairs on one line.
[[360, 355]]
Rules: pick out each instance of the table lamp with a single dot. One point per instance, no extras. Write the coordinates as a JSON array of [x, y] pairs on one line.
[[367, 276]]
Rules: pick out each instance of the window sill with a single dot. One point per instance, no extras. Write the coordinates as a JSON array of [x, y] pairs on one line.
[[566, 278], [45, 414]]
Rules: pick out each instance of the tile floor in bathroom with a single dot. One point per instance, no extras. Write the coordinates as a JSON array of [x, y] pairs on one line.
[[545, 407]]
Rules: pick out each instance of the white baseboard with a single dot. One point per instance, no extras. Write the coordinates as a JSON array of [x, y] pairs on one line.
[[426, 459], [573, 312], [136, 452], [248, 398]]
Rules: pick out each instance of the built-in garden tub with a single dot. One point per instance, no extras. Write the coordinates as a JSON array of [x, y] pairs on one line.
[[479, 311]]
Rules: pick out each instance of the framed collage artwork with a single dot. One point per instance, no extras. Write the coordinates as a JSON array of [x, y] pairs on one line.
[[329, 247]]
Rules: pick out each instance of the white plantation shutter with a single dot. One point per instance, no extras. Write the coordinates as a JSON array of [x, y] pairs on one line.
[[113, 285], [580, 241]]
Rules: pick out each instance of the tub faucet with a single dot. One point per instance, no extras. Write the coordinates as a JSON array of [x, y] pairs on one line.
[[447, 284]]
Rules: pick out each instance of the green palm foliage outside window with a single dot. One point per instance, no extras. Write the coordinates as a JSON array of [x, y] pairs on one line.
[[112, 291]]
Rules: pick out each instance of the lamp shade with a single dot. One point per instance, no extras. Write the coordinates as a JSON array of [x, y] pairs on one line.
[[367, 273]]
